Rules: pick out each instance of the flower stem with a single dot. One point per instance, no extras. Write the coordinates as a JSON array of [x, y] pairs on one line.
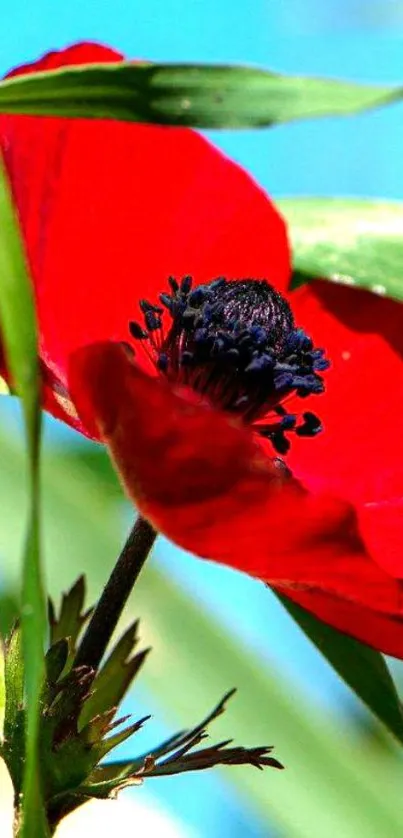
[[115, 594]]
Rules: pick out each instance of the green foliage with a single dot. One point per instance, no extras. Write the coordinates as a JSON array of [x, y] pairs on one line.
[[72, 618], [362, 668], [117, 673], [13, 737], [2, 689], [353, 242], [176, 756], [204, 96], [19, 338], [78, 725]]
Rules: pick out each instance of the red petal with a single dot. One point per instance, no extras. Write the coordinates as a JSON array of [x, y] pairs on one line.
[[110, 209], [203, 480], [85, 52], [359, 455]]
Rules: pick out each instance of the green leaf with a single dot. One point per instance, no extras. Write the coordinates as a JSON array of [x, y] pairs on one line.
[[55, 663], [179, 756], [362, 668], [205, 96], [184, 738], [13, 742], [72, 615], [13, 680], [115, 676], [353, 242], [67, 757], [71, 619], [111, 742], [2, 690], [19, 336]]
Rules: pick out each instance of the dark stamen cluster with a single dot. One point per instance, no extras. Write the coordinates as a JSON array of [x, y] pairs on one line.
[[236, 342]]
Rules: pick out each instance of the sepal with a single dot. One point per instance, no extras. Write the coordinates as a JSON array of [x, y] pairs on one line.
[[80, 724]]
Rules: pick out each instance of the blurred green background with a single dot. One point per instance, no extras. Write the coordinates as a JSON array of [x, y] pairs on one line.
[[212, 628]]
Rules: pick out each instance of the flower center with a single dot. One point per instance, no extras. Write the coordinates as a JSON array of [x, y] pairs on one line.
[[236, 343]]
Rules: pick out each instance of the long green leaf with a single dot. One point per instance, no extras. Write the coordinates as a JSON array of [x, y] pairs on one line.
[[205, 96], [362, 668], [353, 242], [18, 329]]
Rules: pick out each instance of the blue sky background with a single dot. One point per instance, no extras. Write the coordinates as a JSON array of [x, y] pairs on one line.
[[357, 39]]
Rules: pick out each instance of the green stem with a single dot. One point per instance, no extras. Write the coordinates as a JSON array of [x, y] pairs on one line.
[[115, 594]]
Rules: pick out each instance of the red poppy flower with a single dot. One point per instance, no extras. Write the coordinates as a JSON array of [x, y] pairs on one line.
[[199, 389]]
